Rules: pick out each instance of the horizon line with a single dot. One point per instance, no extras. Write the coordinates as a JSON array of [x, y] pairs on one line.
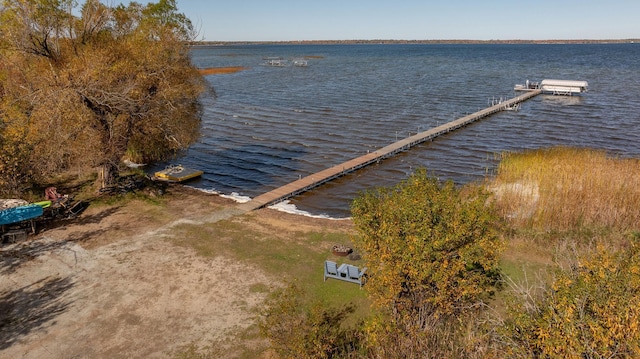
[[432, 41]]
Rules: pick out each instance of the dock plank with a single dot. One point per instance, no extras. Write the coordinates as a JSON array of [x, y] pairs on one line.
[[306, 183]]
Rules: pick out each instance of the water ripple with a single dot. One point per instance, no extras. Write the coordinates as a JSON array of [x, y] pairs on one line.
[[269, 126]]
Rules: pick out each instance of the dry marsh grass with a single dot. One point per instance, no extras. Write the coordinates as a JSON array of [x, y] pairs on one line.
[[563, 189]]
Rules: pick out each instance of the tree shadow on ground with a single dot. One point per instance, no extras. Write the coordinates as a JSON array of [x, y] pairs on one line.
[[85, 221], [97, 217], [78, 222], [81, 220], [30, 308], [12, 257]]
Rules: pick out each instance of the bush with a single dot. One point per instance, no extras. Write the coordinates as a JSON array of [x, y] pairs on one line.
[[431, 249], [590, 310], [432, 253], [299, 330]]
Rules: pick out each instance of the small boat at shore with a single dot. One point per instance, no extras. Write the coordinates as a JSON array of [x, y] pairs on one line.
[[177, 173], [20, 213]]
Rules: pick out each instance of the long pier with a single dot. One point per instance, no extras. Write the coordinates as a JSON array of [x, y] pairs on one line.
[[306, 183]]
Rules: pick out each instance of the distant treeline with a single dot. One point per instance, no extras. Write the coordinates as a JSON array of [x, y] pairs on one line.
[[349, 42]]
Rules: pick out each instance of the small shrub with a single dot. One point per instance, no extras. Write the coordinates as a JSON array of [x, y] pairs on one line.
[[590, 310], [297, 330]]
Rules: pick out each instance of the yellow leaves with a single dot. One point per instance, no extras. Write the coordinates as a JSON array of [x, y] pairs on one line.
[[542, 333], [591, 310], [102, 93], [430, 248]]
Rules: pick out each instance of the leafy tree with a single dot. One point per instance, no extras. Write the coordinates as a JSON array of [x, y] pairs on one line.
[[86, 91], [431, 249]]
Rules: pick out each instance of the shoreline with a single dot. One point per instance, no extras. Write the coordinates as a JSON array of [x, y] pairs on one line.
[[418, 42], [284, 206]]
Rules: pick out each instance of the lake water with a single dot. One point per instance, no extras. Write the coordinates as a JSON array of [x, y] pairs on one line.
[[268, 126]]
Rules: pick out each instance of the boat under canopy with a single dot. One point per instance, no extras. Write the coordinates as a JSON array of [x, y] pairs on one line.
[[563, 87], [556, 87]]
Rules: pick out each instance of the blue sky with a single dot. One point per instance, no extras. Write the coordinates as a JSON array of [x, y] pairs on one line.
[[282, 20]]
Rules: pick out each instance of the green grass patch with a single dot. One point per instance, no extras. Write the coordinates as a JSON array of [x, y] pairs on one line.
[[127, 198], [297, 257], [522, 270], [292, 257]]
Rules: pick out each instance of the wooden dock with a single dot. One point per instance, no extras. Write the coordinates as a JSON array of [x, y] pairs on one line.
[[306, 183]]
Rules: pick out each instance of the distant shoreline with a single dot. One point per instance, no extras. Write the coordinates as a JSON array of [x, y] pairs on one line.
[[352, 42]]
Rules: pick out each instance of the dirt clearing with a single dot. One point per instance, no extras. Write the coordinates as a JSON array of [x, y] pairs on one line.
[[110, 284]]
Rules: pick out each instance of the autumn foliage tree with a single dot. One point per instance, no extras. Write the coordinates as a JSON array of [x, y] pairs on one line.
[[85, 89], [432, 254]]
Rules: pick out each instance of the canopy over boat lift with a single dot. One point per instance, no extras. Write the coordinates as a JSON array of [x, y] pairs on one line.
[[555, 87]]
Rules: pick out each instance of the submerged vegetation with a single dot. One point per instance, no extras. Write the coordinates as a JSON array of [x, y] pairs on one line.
[[221, 70]]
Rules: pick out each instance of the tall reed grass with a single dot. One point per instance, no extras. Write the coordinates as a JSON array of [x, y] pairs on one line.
[[562, 189]]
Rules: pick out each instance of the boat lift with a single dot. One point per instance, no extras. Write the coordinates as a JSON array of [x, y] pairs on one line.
[[555, 87]]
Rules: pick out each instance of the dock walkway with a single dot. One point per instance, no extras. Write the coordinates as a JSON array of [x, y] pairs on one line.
[[306, 183]]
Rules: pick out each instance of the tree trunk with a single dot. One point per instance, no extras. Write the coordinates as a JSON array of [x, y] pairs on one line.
[[108, 175]]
